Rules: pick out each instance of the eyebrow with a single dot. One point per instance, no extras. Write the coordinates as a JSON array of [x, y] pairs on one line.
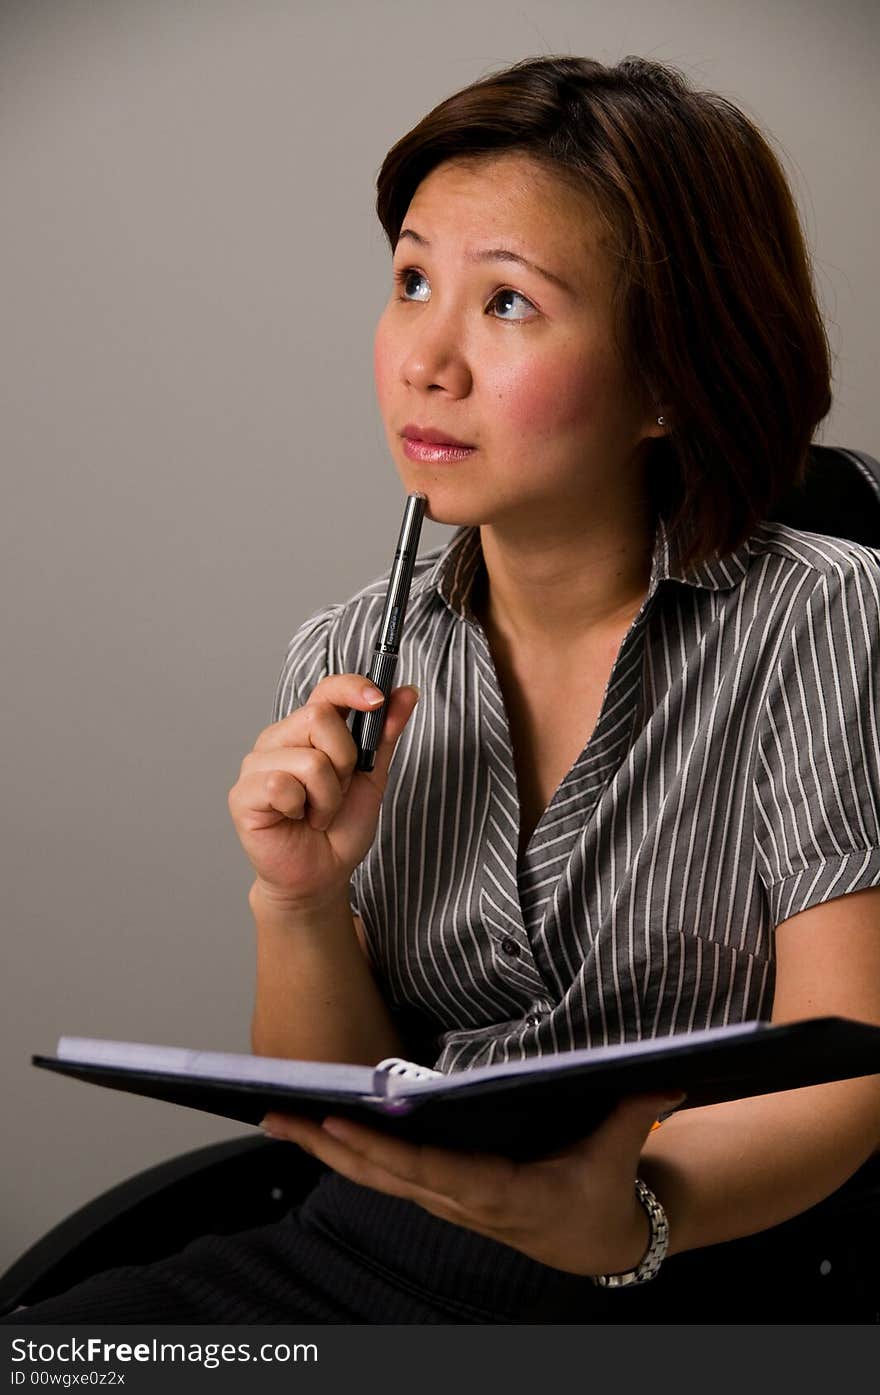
[[496, 254]]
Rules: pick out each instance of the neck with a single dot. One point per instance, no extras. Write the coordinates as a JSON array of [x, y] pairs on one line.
[[540, 594]]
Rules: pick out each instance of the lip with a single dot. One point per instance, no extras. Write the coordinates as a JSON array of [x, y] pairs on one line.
[[431, 454], [432, 437]]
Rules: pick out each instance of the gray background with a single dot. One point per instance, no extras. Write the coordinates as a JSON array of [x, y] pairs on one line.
[[194, 460]]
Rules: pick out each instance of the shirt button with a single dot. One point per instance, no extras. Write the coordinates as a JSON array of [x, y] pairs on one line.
[[510, 947]]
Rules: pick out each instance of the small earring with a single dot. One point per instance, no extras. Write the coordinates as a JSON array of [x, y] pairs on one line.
[[661, 421]]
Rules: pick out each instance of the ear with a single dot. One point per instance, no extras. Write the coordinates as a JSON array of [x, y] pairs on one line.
[[658, 422]]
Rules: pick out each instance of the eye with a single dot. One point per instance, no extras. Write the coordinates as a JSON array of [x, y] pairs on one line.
[[515, 295], [404, 275]]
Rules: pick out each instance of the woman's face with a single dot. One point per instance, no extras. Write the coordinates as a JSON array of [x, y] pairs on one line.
[[497, 355]]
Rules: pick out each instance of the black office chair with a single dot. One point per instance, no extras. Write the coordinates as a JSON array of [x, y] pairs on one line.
[[222, 1188], [839, 497], [251, 1181]]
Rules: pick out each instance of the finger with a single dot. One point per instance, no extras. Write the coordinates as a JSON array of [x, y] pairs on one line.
[[341, 691], [263, 797], [296, 782], [363, 1162], [318, 727], [401, 705], [635, 1115], [478, 1183], [357, 1155]]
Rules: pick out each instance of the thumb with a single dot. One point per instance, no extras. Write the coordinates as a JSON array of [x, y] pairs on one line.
[[401, 705], [635, 1115]]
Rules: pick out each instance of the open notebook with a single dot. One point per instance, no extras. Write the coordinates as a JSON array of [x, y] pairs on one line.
[[524, 1109]]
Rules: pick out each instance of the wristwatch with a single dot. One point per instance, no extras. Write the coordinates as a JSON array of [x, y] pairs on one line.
[[657, 1245]]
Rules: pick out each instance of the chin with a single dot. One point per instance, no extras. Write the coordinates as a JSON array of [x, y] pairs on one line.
[[450, 502], [451, 515]]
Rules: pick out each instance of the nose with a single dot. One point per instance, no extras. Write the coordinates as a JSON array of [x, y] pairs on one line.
[[434, 355]]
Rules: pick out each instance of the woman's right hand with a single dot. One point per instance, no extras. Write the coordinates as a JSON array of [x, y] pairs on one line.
[[305, 817]]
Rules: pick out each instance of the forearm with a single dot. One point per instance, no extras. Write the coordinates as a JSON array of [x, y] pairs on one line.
[[728, 1170], [316, 998]]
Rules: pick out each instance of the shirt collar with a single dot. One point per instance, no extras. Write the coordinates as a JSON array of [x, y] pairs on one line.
[[452, 576]]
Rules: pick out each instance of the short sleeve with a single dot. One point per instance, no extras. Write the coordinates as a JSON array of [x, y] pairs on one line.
[[817, 761], [310, 656], [306, 662]]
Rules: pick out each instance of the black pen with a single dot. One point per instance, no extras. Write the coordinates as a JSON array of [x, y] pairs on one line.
[[367, 726]]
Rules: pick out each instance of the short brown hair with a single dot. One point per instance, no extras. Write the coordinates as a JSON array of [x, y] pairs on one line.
[[715, 300]]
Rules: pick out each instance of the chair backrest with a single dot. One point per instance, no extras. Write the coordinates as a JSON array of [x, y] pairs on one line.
[[221, 1188], [840, 496]]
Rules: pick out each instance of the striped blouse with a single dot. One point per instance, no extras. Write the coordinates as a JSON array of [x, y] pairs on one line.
[[732, 780]]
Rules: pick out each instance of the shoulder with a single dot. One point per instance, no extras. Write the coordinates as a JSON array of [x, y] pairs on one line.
[[817, 625], [813, 556], [340, 637], [802, 579]]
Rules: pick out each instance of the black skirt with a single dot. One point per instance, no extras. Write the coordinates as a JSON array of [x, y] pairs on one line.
[[349, 1254]]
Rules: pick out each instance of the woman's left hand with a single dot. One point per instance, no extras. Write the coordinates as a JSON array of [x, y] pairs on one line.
[[575, 1210]]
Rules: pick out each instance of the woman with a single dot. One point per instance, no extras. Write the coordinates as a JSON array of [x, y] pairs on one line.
[[641, 792]]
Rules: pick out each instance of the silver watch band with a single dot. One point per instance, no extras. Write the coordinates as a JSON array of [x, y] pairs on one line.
[[657, 1245]]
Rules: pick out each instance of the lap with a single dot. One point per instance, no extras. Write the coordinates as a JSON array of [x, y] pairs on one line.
[[352, 1255]]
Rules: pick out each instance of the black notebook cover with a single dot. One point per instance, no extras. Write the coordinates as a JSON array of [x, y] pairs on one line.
[[527, 1113]]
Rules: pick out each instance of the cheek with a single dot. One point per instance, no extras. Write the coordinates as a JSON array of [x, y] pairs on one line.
[[552, 395], [382, 361]]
